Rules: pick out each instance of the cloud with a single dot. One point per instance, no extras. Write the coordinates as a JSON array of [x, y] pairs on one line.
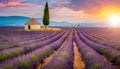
[[89, 4], [16, 3], [5, 3], [1, 5], [90, 7], [76, 5]]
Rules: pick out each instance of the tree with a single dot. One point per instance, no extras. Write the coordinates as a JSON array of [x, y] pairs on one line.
[[46, 15]]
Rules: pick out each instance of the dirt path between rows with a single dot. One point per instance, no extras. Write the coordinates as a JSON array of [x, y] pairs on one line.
[[46, 60], [78, 62]]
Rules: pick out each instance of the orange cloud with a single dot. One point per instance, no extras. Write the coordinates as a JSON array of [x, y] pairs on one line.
[[12, 3], [2, 5], [16, 3], [5, 3], [92, 8]]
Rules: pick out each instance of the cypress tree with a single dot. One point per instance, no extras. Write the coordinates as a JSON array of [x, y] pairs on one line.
[[46, 15]]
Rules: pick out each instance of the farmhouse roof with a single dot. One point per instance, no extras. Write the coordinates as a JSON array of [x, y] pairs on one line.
[[32, 21]]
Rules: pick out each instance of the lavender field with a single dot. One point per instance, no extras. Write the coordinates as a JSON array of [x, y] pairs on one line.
[[69, 48]]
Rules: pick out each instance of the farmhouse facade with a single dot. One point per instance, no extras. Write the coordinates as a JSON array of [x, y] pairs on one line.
[[32, 24]]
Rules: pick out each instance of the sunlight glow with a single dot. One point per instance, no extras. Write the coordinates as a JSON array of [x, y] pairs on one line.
[[114, 20]]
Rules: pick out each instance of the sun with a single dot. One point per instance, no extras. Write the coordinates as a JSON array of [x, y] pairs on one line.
[[114, 20]]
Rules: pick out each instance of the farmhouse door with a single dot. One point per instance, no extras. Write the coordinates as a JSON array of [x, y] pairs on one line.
[[29, 27]]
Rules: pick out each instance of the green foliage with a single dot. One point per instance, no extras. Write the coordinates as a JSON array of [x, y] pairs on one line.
[[16, 52], [84, 49], [5, 55], [89, 54], [96, 65], [8, 54], [9, 66], [44, 52], [62, 59], [46, 15], [24, 63], [5, 47], [64, 53], [35, 57], [2, 56]]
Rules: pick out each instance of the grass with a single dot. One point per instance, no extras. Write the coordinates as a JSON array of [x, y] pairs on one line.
[[47, 29], [51, 29]]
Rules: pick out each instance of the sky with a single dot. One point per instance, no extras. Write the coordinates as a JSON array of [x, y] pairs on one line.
[[73, 11]]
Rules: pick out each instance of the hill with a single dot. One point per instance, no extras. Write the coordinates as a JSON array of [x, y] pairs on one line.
[[21, 20]]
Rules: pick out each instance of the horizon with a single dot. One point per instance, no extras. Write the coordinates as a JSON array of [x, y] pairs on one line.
[[21, 20]]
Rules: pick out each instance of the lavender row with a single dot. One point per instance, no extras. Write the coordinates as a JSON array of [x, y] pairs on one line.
[[92, 59], [9, 53], [18, 39], [64, 57], [28, 42], [16, 36], [35, 36], [99, 41], [30, 61], [38, 39], [25, 43], [109, 35], [112, 54]]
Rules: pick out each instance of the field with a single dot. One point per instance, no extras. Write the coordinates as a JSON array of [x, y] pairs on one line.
[[68, 48]]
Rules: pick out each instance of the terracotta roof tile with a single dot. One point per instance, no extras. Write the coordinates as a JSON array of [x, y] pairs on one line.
[[32, 21]]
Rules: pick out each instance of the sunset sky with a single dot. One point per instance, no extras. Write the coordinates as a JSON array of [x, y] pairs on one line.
[[74, 11]]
